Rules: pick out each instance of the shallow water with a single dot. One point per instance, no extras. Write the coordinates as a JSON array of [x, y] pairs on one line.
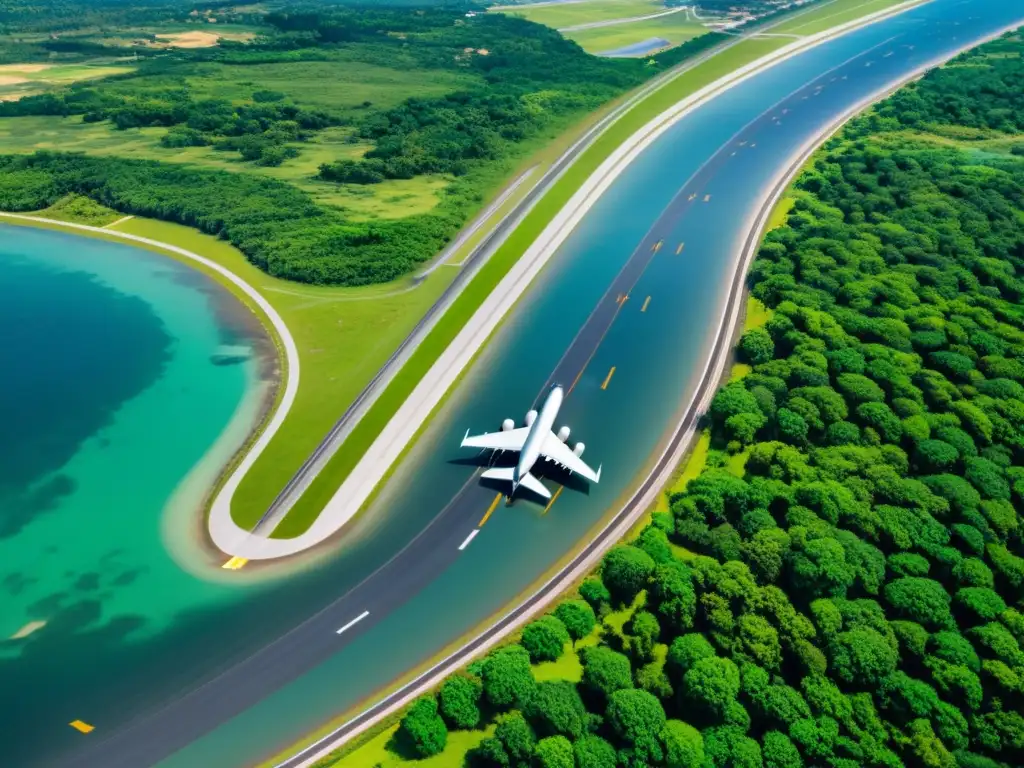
[[110, 394]]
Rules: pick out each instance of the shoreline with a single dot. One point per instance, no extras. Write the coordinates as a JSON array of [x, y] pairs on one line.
[[279, 400]]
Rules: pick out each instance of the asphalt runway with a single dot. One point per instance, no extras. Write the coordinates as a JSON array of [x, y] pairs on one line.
[[155, 736]]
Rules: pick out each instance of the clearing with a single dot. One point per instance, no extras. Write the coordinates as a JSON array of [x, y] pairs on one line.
[[20, 80]]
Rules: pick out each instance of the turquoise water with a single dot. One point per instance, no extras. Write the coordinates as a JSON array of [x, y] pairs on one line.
[[110, 395]]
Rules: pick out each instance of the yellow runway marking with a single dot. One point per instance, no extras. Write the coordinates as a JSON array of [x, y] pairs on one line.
[[608, 378], [81, 727], [646, 302], [576, 381], [235, 563], [680, 248], [707, 198], [490, 511], [553, 500]]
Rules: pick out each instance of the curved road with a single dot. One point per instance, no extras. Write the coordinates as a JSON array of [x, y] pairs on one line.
[[441, 542]]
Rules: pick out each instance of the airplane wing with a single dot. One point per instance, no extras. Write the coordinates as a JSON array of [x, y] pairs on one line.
[[558, 451], [498, 441]]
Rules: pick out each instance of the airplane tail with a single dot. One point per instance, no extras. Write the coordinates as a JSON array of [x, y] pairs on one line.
[[528, 481]]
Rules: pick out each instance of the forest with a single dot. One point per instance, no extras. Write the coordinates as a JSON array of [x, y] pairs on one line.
[[853, 597], [528, 82]]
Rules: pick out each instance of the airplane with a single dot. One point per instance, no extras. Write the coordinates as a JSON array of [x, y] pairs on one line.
[[534, 441]]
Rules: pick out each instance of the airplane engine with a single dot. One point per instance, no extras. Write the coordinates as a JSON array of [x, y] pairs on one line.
[[531, 416], [507, 425], [563, 434], [578, 450]]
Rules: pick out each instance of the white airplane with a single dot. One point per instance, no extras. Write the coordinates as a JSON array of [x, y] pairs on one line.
[[533, 441]]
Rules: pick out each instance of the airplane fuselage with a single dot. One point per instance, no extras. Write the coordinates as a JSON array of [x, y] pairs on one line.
[[539, 431]]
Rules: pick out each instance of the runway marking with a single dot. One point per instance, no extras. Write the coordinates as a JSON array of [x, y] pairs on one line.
[[469, 538], [646, 302], [707, 198], [235, 563], [553, 500], [490, 511], [608, 378], [680, 248], [576, 381], [354, 621], [82, 727]]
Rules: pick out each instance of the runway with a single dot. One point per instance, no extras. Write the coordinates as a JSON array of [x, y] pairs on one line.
[[679, 268]]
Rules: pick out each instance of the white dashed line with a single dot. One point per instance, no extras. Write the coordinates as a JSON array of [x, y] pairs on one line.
[[469, 538], [354, 621]]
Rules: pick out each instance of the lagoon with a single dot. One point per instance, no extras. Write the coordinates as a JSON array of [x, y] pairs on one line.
[[120, 369]]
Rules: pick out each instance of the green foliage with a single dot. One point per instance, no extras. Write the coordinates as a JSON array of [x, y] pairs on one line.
[[460, 698], [862, 657], [684, 746], [637, 719], [625, 571], [545, 638], [507, 677], [516, 737], [423, 729], [594, 752], [554, 752], [577, 617], [712, 684], [555, 709], [605, 671]]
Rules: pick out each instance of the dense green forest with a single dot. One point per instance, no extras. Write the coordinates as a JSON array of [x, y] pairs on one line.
[[855, 597], [521, 81]]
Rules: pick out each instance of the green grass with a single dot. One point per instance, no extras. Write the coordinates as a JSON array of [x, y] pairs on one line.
[[675, 28], [832, 15], [571, 14], [779, 216], [394, 198], [375, 753], [692, 467], [80, 210], [20, 80]]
